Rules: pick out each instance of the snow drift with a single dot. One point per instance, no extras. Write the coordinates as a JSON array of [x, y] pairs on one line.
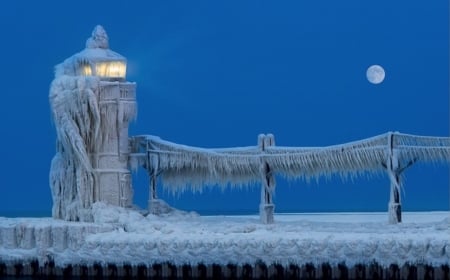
[[122, 236]]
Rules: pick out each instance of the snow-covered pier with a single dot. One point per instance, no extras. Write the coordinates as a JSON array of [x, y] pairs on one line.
[[123, 242]]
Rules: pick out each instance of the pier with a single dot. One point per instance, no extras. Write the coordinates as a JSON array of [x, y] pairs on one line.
[[245, 271]]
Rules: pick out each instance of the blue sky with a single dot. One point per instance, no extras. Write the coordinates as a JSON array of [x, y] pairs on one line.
[[216, 74]]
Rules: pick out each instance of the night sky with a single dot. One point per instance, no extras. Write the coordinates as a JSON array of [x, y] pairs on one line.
[[218, 73]]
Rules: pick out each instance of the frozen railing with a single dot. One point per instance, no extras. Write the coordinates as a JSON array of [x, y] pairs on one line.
[[181, 166]]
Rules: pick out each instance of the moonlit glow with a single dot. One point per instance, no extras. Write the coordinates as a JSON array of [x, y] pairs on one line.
[[375, 74]]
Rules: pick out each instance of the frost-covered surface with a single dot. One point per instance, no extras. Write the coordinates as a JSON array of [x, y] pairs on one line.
[[77, 121], [182, 166], [41, 238], [125, 236], [97, 49], [76, 114], [88, 124]]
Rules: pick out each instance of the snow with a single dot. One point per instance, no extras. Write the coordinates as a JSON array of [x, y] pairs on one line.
[[97, 49], [99, 39], [121, 235]]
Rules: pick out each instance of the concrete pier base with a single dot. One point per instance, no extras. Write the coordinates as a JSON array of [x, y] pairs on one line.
[[214, 271]]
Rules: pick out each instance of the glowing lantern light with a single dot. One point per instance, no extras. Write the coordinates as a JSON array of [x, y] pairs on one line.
[[112, 69], [98, 60]]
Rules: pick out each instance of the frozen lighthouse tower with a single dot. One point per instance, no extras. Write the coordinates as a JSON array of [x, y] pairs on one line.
[[92, 105]]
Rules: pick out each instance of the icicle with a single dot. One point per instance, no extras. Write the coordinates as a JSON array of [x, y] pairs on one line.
[[183, 166], [76, 117]]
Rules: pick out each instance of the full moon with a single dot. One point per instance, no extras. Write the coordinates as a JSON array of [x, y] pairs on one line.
[[375, 74]]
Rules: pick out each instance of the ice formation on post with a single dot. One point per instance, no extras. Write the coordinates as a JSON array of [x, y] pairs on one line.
[[91, 105]]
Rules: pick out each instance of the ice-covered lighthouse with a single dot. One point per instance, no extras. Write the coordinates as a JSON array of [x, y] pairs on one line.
[[92, 105]]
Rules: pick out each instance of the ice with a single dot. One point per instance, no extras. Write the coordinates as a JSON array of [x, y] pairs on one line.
[[182, 166], [91, 115], [95, 153], [125, 236]]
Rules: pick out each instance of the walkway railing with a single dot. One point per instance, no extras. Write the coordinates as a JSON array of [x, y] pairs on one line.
[[181, 166]]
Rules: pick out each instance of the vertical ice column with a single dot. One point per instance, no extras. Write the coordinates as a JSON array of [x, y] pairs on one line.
[[393, 169], [266, 206]]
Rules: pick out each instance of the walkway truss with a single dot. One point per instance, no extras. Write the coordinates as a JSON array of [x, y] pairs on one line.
[[180, 167]]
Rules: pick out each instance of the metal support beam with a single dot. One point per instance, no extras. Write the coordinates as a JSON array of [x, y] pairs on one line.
[[152, 167], [266, 206], [393, 169]]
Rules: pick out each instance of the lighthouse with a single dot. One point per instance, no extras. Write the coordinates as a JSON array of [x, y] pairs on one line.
[[92, 105]]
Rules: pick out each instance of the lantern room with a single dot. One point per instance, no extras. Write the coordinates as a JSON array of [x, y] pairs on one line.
[[98, 60], [108, 70]]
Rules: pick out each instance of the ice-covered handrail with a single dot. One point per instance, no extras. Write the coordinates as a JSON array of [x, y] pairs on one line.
[[182, 166], [422, 148]]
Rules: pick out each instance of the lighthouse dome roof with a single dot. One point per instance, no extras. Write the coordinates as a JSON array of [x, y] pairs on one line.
[[96, 59]]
